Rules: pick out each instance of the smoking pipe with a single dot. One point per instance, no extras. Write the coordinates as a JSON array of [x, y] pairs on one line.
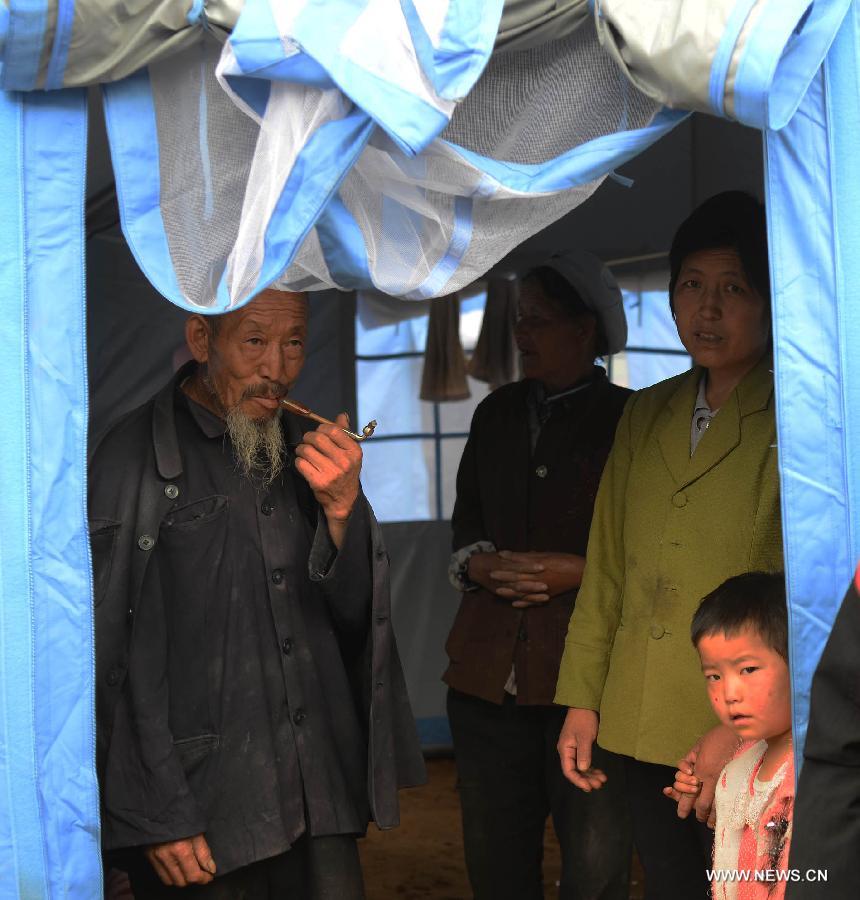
[[302, 410]]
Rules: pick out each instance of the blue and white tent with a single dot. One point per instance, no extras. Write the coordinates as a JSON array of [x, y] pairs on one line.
[[400, 145]]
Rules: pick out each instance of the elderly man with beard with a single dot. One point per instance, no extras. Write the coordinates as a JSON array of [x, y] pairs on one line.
[[251, 706]]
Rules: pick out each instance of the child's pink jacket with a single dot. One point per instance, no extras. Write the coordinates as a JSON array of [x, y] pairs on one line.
[[753, 829]]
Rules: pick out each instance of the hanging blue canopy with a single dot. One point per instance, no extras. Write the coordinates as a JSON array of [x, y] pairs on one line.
[[340, 157]]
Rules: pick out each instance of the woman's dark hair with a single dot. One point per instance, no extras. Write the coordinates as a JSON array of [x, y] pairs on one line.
[[733, 219], [755, 600], [558, 289]]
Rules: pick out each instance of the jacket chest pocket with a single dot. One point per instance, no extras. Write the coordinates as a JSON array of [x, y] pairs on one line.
[[192, 544], [193, 570], [103, 535]]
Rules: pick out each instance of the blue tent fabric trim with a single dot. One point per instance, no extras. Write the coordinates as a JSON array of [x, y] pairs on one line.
[[458, 245], [813, 199], [25, 37], [467, 39], [255, 40], [62, 41], [842, 75], [723, 56], [22, 863], [49, 825], [4, 28], [317, 174], [343, 246], [133, 135], [783, 52], [55, 185], [410, 121], [578, 166]]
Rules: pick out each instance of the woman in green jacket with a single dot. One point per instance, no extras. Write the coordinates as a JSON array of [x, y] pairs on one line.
[[688, 498]]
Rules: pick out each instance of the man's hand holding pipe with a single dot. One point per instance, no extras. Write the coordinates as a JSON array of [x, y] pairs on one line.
[[330, 461]]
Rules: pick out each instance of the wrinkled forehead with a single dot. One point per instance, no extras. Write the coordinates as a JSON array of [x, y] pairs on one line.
[[269, 310]]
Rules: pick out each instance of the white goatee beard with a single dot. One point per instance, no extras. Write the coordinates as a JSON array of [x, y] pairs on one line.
[[258, 445]]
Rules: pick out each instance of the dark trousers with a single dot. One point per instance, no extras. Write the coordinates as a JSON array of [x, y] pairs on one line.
[[322, 868], [510, 780], [674, 852]]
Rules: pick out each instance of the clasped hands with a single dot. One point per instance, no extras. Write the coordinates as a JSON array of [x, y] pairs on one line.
[[526, 578]]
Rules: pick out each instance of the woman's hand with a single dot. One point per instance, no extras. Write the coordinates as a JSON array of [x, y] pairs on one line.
[[528, 578], [480, 567], [578, 734]]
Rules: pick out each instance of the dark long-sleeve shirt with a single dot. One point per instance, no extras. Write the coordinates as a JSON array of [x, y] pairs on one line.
[[240, 717], [527, 481]]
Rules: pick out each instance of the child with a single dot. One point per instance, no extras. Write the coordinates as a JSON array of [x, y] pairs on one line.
[[741, 633]]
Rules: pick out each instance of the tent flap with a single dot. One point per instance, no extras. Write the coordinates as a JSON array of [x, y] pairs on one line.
[[813, 201], [67, 43], [748, 60], [278, 158], [49, 832]]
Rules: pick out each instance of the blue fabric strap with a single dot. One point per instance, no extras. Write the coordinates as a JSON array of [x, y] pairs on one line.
[[49, 831], [723, 56], [25, 39], [197, 13], [62, 40], [4, 28], [22, 865], [813, 202], [842, 73]]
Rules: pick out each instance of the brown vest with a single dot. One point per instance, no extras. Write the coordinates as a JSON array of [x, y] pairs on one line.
[[524, 501]]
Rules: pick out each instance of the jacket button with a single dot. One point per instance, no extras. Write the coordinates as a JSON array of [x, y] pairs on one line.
[[541, 471], [521, 635], [277, 576], [679, 500], [287, 646], [299, 716], [112, 678], [146, 542], [129, 616], [657, 631], [266, 508], [171, 491]]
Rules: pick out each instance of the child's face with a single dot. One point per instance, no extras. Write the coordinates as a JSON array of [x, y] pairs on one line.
[[748, 684]]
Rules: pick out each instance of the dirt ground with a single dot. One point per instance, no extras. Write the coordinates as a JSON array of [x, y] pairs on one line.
[[423, 858]]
